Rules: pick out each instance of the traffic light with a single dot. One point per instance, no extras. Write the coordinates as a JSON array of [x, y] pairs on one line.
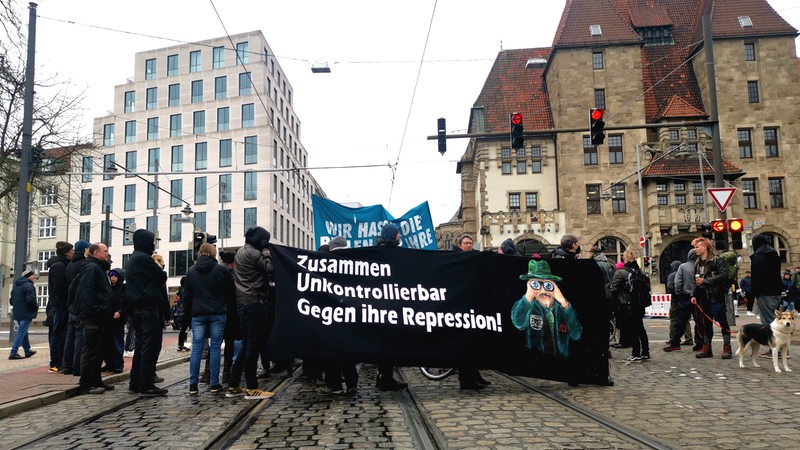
[[705, 230], [596, 126], [442, 135], [517, 140], [735, 226], [720, 231], [198, 240]]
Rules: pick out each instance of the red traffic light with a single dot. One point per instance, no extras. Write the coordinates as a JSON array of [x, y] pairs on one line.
[[597, 113], [516, 119], [736, 225], [717, 226]]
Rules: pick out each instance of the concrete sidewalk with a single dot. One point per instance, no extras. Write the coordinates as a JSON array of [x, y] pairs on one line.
[[28, 383]]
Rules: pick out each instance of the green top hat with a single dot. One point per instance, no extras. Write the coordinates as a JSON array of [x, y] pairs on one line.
[[541, 270]]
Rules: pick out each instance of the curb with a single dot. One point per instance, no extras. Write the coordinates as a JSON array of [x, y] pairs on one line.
[[27, 404]]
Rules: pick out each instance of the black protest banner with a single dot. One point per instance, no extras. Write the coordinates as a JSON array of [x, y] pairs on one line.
[[444, 309]]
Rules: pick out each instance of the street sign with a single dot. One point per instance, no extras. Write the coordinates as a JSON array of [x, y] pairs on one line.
[[722, 196], [642, 240], [183, 219]]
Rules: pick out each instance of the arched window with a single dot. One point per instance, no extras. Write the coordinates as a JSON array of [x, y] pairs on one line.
[[779, 244], [612, 247]]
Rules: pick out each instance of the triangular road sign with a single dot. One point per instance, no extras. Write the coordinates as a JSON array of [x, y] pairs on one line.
[[722, 196]]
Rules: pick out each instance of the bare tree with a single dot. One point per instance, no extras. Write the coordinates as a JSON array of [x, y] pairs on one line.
[[55, 138]]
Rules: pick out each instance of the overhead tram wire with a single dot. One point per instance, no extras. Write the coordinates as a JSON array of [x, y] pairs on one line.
[[411, 104]]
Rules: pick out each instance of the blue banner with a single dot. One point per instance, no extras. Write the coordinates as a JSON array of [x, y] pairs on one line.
[[360, 226]]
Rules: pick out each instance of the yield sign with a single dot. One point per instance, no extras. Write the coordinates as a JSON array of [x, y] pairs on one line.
[[722, 196]]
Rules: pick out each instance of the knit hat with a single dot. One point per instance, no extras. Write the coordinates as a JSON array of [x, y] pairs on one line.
[[389, 232], [28, 273], [62, 248], [258, 237], [81, 246], [338, 242]]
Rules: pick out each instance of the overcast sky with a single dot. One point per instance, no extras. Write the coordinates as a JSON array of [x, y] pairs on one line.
[[377, 104]]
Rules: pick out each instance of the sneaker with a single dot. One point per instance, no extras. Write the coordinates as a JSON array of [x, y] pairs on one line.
[[215, 389], [634, 358], [32, 352], [645, 357], [257, 394], [331, 391], [767, 354], [128, 354], [672, 348], [351, 391], [157, 379], [153, 392], [750, 314], [53, 369], [234, 392], [108, 387], [15, 356], [193, 389], [687, 342]]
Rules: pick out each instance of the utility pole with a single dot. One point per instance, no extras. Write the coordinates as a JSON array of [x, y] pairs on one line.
[[716, 144], [24, 193]]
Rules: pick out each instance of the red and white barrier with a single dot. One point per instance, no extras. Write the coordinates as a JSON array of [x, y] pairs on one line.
[[660, 305]]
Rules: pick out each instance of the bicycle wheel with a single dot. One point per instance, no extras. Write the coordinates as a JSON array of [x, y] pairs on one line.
[[436, 373], [613, 332]]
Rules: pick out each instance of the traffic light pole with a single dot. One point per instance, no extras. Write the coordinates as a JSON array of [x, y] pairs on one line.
[[716, 144]]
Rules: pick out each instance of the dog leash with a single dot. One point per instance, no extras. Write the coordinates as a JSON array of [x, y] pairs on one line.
[[699, 308]]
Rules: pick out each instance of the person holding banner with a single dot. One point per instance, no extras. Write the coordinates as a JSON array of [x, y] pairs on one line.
[[547, 318], [389, 238]]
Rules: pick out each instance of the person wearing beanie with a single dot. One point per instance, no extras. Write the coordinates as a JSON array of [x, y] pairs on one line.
[[765, 273], [508, 247], [252, 274], [570, 247], [73, 343], [57, 314], [789, 293], [337, 243], [384, 380], [23, 299], [464, 243], [146, 300]]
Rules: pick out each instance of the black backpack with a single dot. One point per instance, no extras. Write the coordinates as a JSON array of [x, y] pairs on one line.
[[639, 285]]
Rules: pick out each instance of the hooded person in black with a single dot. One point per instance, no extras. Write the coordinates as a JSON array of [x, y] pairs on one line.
[[114, 342], [765, 272], [57, 313], [71, 359], [145, 297], [252, 274]]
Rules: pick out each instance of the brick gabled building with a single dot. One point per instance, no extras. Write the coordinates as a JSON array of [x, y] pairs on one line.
[[644, 62]]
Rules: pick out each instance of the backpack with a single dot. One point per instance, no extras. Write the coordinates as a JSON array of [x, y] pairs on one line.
[[731, 268], [639, 285]]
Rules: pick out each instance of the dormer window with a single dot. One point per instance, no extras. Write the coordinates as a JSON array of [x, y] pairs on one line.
[[745, 21], [594, 30], [656, 35]]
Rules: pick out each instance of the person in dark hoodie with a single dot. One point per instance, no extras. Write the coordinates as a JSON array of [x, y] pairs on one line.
[[114, 342], [205, 290], [765, 272], [251, 274], [23, 299], [145, 297], [95, 311], [71, 361], [389, 238], [673, 306], [57, 313]]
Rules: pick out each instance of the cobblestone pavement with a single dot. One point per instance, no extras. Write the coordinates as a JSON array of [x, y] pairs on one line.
[[675, 399]]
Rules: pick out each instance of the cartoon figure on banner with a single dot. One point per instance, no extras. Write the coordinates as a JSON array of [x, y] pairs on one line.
[[548, 319]]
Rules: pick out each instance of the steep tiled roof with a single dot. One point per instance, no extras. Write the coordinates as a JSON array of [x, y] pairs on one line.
[[669, 167], [579, 15], [511, 87], [648, 15], [725, 22], [678, 108]]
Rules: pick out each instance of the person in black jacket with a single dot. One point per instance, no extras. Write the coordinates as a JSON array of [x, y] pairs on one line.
[[205, 290], [114, 342], [629, 305], [95, 309], [23, 299], [145, 297], [765, 273], [71, 361], [251, 275], [57, 313]]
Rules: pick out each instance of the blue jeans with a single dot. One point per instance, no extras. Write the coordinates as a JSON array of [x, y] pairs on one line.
[[203, 327], [22, 338]]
